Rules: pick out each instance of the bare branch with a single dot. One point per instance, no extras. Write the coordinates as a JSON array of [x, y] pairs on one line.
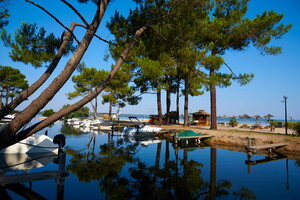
[[77, 13], [59, 22], [230, 70], [100, 38]]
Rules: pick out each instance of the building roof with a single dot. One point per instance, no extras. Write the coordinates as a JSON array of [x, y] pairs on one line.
[[201, 112]]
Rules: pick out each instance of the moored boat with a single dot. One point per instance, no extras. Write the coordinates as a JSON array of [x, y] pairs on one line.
[[36, 144], [144, 128]]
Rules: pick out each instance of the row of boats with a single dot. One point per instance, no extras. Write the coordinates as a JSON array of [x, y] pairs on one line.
[[90, 124], [131, 128]]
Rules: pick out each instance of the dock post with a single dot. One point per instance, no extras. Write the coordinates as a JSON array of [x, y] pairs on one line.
[[63, 175], [175, 138], [249, 142], [249, 159]]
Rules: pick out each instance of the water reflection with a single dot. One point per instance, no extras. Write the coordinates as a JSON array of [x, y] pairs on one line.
[[106, 166], [12, 180], [174, 179]]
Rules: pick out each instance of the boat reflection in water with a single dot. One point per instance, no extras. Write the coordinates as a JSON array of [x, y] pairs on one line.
[[15, 168], [24, 162]]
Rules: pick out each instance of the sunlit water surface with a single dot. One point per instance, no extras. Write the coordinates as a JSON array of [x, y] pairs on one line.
[[102, 167]]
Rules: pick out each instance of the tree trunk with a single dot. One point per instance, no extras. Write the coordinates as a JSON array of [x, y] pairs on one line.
[[157, 159], [177, 99], [6, 97], [1, 102], [186, 101], [213, 173], [110, 111], [7, 139], [168, 103], [213, 104], [94, 109], [159, 110], [29, 91]]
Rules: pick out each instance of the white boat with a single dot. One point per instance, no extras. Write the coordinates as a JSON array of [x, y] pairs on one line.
[[131, 131], [147, 142], [24, 162], [36, 144], [139, 128], [96, 122]]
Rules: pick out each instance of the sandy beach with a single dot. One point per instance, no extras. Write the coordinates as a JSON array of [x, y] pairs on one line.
[[235, 138]]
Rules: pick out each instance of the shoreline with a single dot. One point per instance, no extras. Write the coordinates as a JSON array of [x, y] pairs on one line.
[[236, 139]]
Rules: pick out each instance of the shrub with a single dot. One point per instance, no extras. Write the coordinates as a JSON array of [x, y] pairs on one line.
[[233, 122], [47, 113], [296, 128]]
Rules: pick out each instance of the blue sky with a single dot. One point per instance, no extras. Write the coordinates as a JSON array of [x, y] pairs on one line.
[[275, 76]]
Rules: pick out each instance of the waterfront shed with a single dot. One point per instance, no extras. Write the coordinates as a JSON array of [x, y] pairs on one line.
[[202, 117]]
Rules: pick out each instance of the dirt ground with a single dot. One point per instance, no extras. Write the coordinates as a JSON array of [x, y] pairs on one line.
[[236, 139]]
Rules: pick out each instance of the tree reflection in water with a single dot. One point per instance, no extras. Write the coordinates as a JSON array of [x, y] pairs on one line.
[[175, 180]]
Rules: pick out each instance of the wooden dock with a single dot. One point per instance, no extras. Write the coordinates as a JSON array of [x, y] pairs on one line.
[[196, 139], [249, 148], [38, 176]]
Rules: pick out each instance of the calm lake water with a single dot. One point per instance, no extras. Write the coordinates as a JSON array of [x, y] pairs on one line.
[[103, 167]]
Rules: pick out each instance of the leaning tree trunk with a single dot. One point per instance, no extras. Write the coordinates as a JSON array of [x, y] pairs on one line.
[[168, 103], [7, 141], [159, 110], [213, 104], [36, 85], [186, 101], [7, 133]]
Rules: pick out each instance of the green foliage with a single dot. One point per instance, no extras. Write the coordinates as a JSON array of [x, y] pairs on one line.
[[32, 45], [119, 92], [86, 81], [12, 82], [233, 122], [48, 112], [244, 193], [68, 129], [81, 112], [273, 123], [3, 14], [228, 29], [295, 126]]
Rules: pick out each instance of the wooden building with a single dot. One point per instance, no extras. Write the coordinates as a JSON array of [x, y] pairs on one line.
[[202, 117]]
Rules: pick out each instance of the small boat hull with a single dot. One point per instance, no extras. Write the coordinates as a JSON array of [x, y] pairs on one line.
[[32, 144], [131, 131]]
